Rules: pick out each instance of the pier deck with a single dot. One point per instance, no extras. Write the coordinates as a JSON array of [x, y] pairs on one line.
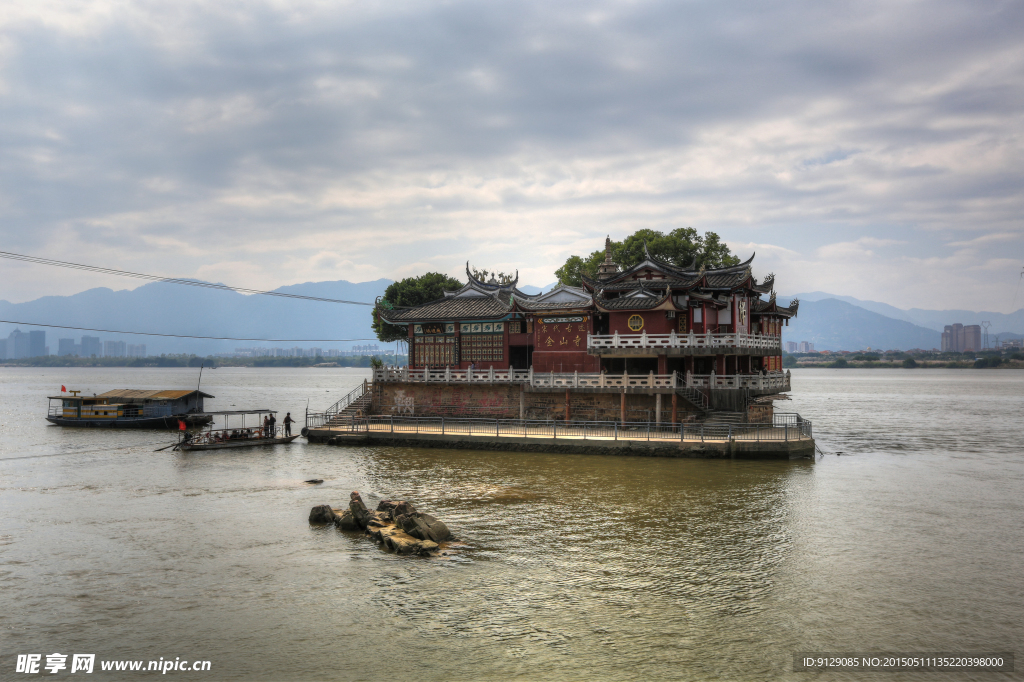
[[753, 441]]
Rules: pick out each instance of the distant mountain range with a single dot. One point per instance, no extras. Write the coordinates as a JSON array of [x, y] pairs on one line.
[[174, 309], [830, 322], [834, 322], [932, 319]]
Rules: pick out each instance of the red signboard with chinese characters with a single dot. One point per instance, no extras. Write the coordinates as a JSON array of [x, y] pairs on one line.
[[561, 333]]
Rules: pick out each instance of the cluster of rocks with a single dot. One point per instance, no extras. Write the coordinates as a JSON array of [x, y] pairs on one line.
[[395, 524]]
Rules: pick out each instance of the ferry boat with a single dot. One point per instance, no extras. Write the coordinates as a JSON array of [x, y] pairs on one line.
[[238, 436], [130, 409]]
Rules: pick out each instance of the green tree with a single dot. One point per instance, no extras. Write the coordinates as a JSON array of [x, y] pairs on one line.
[[680, 247], [409, 292], [910, 363]]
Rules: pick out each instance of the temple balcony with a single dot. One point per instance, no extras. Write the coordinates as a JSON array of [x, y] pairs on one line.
[[673, 344], [772, 382]]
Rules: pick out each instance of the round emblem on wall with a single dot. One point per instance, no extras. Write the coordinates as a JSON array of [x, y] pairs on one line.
[[635, 322]]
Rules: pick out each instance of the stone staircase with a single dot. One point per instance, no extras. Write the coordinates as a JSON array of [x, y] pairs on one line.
[[357, 401], [696, 398]]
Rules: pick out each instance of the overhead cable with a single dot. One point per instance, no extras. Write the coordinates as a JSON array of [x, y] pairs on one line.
[[169, 280], [180, 336]]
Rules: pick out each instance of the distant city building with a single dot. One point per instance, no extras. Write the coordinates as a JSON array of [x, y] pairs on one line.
[[37, 344], [957, 338], [806, 347], [91, 347], [1013, 343], [17, 345], [3, 349], [136, 350], [114, 349], [790, 346], [68, 347]]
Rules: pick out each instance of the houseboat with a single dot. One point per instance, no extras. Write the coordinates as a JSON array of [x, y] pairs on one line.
[[130, 409]]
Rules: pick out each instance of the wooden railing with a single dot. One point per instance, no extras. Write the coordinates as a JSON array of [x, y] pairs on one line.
[[779, 381], [647, 341]]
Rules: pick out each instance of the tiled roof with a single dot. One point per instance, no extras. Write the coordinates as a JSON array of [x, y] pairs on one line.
[[552, 305], [678, 284], [453, 308], [630, 302], [727, 280], [771, 307]]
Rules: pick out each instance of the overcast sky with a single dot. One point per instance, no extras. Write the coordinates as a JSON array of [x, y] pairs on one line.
[[871, 149]]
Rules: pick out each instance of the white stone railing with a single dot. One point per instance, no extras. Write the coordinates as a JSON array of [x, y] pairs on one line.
[[673, 340], [448, 375], [779, 381]]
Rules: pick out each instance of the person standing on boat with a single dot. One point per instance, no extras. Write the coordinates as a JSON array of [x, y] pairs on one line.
[[273, 425], [266, 426], [288, 421]]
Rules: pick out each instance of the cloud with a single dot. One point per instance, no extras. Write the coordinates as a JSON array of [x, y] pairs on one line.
[[366, 140]]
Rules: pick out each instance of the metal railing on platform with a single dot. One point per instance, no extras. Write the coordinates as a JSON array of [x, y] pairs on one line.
[[785, 427]]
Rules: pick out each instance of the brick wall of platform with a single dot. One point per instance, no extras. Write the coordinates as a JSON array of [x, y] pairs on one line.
[[501, 401]]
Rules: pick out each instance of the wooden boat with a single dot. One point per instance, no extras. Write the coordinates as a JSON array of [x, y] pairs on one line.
[[130, 409], [239, 436]]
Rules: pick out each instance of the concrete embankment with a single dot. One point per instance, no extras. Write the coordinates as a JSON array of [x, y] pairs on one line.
[[720, 449]]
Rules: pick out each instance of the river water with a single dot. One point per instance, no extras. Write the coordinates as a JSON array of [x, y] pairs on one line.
[[575, 567]]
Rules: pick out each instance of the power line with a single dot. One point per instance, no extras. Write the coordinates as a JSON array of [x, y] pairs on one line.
[[169, 280], [179, 336]]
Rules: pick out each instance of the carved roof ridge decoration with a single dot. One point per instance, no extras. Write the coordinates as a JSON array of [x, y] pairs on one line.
[[772, 307], [493, 284]]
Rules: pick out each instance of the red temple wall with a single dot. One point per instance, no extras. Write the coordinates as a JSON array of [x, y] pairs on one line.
[[565, 361], [655, 322]]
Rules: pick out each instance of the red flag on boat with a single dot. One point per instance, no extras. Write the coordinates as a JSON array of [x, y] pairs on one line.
[[181, 425], [62, 389]]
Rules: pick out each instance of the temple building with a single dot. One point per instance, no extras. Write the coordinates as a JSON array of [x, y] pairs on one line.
[[712, 337]]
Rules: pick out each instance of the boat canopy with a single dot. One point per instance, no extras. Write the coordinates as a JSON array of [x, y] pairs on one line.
[[230, 413]]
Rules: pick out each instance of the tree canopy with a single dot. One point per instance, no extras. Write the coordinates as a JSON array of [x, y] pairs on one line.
[[411, 291], [679, 247]]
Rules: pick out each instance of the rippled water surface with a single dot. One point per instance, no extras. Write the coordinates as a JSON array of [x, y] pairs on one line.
[[576, 567]]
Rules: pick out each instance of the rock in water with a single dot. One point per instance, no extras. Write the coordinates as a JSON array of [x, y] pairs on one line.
[[344, 521], [359, 511], [402, 508], [414, 526], [395, 523], [322, 514], [439, 532]]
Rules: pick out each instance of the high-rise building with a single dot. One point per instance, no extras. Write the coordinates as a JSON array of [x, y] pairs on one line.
[[17, 345], [36, 344], [3, 349], [956, 338], [136, 350], [806, 347], [91, 347], [114, 349], [68, 347], [790, 346], [972, 338]]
